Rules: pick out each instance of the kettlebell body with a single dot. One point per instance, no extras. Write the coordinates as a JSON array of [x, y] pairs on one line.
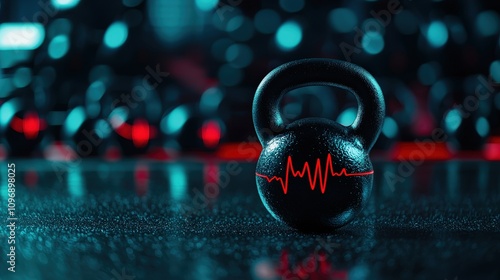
[[314, 174]]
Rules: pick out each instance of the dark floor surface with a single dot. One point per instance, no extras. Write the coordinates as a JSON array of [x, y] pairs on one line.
[[151, 220]]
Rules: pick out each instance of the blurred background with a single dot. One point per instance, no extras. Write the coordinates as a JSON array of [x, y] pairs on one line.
[[173, 81], [156, 79]]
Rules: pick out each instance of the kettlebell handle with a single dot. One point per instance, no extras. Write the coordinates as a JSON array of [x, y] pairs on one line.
[[316, 71]]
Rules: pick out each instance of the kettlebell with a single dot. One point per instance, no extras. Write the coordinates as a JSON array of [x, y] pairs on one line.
[[314, 174]]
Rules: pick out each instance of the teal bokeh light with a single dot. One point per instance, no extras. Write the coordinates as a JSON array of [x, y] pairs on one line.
[[437, 34], [487, 23], [21, 36], [428, 73], [178, 180], [289, 35], [390, 128], [495, 70], [240, 28], [267, 21], [175, 20], [131, 3], [372, 42], [76, 183], [96, 90], [482, 127], [116, 35], [74, 120], [453, 120], [206, 5], [175, 120], [347, 117], [239, 55], [22, 77], [342, 20], [292, 6], [64, 4], [58, 46]]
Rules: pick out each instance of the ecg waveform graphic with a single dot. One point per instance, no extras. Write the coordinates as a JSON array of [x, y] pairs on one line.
[[318, 176]]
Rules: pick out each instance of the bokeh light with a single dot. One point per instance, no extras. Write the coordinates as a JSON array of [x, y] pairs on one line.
[[175, 120], [60, 26], [96, 90], [428, 73], [438, 90], [267, 21], [239, 55], [372, 42], [482, 127], [437, 34], [342, 20], [495, 70], [131, 3], [347, 116], [219, 48], [174, 20], [210, 100], [116, 35], [487, 23], [289, 35], [21, 36], [178, 180], [76, 183], [240, 28], [64, 4], [206, 5], [292, 6], [58, 46], [22, 77], [74, 120], [102, 73], [457, 30], [452, 120], [390, 127]]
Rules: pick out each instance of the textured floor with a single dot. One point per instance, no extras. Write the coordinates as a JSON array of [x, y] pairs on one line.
[[142, 220]]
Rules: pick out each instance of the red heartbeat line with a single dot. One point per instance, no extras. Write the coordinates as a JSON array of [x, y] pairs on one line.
[[319, 175]]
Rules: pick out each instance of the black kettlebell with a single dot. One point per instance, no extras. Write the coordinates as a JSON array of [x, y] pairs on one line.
[[314, 174]]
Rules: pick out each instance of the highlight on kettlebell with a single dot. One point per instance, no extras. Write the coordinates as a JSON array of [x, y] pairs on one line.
[[314, 173]]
